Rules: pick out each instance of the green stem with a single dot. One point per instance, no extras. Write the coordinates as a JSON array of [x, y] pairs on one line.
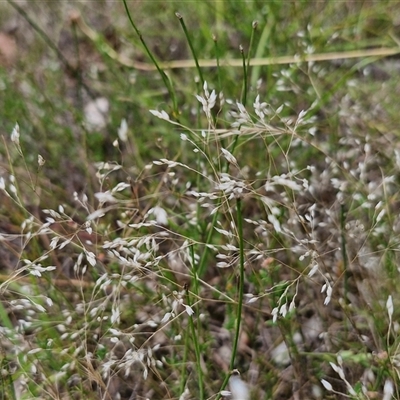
[[244, 89], [217, 59], [196, 288], [203, 260], [344, 251], [163, 75], [241, 280], [184, 360], [195, 276], [240, 294], [182, 22], [254, 26], [197, 350], [243, 100]]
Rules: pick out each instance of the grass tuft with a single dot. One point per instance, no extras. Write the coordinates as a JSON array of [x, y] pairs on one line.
[[203, 225]]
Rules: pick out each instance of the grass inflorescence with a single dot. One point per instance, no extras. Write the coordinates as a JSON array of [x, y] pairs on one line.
[[199, 208]]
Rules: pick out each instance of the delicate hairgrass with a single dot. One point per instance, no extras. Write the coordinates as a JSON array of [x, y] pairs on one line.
[[203, 261], [315, 216]]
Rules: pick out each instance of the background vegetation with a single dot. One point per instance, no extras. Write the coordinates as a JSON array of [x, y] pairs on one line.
[[162, 228]]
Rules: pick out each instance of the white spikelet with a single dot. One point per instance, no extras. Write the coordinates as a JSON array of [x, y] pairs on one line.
[[238, 388]]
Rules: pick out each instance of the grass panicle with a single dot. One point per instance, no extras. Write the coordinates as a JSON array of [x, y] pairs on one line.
[[203, 225]]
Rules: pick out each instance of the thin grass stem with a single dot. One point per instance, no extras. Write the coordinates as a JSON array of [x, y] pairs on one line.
[[196, 349], [241, 281], [184, 360], [254, 26], [217, 61], [182, 22], [344, 249], [244, 88], [164, 77], [239, 217], [204, 256]]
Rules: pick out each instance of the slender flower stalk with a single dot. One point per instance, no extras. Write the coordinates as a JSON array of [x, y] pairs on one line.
[[197, 350], [182, 22], [244, 89], [241, 281], [240, 294], [218, 63], [164, 77]]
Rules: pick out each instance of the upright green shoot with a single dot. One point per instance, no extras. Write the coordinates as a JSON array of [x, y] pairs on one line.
[[239, 221], [182, 22], [164, 77]]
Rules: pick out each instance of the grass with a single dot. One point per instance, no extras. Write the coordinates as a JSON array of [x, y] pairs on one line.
[[232, 208]]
